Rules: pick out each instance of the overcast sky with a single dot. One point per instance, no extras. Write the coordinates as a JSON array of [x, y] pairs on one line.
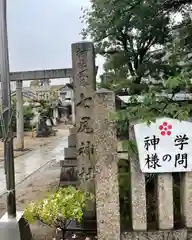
[[40, 33]]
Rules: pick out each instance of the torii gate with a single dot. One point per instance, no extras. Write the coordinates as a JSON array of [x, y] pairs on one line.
[[19, 77]]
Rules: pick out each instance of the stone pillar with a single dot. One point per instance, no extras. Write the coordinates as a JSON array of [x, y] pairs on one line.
[[186, 198], [55, 115], [19, 115], [138, 193], [106, 170], [73, 107], [165, 201], [84, 84]]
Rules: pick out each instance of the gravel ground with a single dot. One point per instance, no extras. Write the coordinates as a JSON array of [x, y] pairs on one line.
[[34, 188]]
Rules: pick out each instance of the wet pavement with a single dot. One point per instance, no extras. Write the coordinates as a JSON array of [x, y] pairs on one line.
[[30, 162]]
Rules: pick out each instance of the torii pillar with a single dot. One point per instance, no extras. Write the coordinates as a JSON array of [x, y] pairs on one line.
[[19, 115]]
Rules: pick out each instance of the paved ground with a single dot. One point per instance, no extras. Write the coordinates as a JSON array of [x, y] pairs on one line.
[[31, 143], [34, 188], [31, 161]]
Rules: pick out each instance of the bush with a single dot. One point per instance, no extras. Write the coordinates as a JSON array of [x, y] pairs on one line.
[[58, 209], [28, 115]]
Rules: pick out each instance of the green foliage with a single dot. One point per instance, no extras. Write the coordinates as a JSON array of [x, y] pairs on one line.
[[39, 83], [44, 107], [130, 146], [135, 37], [35, 83], [27, 115], [67, 204], [150, 106], [153, 106]]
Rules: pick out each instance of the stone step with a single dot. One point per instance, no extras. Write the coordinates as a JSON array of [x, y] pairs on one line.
[[72, 161], [70, 153], [72, 140]]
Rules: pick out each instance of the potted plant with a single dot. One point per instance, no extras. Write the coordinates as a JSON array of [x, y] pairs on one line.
[[59, 209]]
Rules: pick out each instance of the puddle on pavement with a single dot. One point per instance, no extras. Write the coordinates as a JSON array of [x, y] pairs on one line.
[[32, 161]]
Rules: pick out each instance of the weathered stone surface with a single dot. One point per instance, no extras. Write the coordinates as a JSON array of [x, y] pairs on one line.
[[138, 193], [72, 140], [157, 235], [106, 169], [84, 82], [165, 201], [70, 153], [186, 198]]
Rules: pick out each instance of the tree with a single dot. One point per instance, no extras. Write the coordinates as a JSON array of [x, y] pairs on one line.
[[35, 83], [180, 49], [45, 110], [59, 209], [44, 107], [132, 35], [40, 83]]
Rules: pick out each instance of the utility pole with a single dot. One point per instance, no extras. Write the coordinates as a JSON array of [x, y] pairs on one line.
[[12, 223], [6, 107]]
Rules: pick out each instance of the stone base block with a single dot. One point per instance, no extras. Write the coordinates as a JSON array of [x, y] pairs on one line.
[[68, 174], [64, 163], [14, 228], [157, 235]]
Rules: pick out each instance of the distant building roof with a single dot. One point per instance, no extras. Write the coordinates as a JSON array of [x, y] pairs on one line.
[[177, 97], [50, 87]]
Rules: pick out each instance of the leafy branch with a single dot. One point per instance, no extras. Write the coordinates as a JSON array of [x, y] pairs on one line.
[[147, 107], [59, 208]]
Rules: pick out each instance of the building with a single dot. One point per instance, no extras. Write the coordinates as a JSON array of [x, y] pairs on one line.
[[59, 95]]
